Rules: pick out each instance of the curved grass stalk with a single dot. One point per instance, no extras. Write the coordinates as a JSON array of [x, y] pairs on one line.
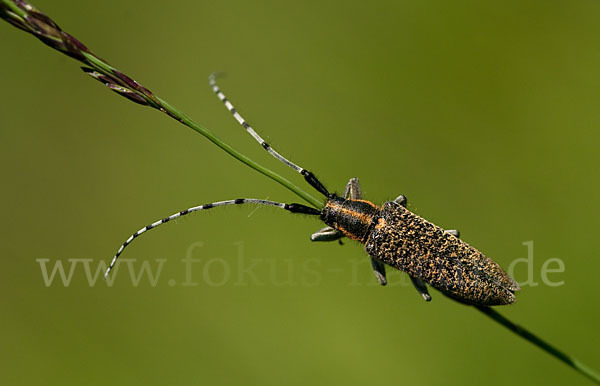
[[26, 17], [525, 334]]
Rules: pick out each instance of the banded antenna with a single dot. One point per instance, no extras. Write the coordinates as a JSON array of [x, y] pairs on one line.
[[293, 208], [308, 176]]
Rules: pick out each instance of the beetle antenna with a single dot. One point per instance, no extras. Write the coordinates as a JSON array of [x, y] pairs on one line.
[[294, 208], [308, 175]]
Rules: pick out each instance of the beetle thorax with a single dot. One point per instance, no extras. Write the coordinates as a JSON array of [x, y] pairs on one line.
[[355, 218]]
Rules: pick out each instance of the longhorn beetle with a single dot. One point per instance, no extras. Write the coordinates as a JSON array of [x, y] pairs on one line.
[[392, 236]]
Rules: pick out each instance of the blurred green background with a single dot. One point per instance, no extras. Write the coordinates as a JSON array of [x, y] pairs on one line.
[[485, 115]]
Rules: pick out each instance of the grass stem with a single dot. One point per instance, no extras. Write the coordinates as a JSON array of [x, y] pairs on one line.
[[525, 334]]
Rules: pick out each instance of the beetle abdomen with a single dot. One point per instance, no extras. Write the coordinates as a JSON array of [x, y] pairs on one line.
[[422, 249]]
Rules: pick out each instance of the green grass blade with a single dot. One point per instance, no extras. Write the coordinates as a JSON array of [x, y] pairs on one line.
[[26, 17], [525, 334]]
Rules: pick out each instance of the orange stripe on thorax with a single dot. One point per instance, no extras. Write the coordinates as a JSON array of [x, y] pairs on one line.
[[352, 217]]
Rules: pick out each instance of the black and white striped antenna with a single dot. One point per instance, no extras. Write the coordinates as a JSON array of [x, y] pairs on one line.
[[293, 208], [308, 176]]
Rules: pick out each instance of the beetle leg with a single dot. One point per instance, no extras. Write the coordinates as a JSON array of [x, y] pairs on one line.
[[421, 288], [353, 190], [401, 199], [453, 232], [379, 271], [326, 234]]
